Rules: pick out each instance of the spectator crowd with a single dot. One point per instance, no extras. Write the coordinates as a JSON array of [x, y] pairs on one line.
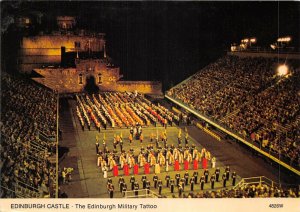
[[248, 97], [26, 110], [249, 191]]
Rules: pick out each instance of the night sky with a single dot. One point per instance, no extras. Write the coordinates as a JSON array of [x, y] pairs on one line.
[[167, 41]]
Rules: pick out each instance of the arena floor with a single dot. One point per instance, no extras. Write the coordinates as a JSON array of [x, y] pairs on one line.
[[88, 182]]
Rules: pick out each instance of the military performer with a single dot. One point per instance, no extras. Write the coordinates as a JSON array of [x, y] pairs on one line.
[[233, 176], [167, 178], [182, 182], [177, 177], [202, 181], [121, 145], [130, 138], [172, 185], [159, 187], [131, 131], [132, 181], [121, 183], [124, 189], [212, 181], [180, 190], [192, 182], [144, 179], [186, 177], [227, 171], [111, 191], [217, 173], [179, 137], [109, 181], [206, 173], [148, 186], [155, 179], [195, 174], [136, 188], [97, 146], [186, 139], [224, 179]]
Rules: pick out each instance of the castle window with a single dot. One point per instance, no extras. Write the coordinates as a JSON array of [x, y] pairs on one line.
[[77, 45], [80, 78], [99, 78]]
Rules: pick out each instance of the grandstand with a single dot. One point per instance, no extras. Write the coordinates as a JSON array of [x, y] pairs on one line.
[[247, 97], [28, 160]]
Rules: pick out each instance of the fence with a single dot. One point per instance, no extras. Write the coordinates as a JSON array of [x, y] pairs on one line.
[[45, 137], [142, 193], [256, 181]]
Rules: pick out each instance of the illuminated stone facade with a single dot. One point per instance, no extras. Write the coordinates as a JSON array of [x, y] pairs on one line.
[[105, 77], [66, 22], [43, 50], [47, 54]]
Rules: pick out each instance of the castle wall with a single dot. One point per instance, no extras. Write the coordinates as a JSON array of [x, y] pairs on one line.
[[46, 49], [68, 81]]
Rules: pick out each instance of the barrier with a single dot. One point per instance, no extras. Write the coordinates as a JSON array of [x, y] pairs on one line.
[[233, 135], [209, 132], [256, 181], [45, 137], [176, 110], [142, 193]]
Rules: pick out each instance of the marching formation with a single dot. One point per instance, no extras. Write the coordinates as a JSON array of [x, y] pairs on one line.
[[158, 156], [182, 183], [121, 110]]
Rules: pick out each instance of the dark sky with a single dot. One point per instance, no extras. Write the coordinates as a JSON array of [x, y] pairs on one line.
[[169, 41]]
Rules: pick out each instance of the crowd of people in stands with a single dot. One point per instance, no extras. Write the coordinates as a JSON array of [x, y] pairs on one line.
[[247, 96], [250, 191], [121, 110], [26, 110]]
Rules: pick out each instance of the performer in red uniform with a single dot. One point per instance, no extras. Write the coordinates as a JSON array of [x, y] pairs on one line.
[[136, 169], [146, 168], [186, 165], [195, 165], [204, 163], [126, 169], [115, 170], [176, 165]]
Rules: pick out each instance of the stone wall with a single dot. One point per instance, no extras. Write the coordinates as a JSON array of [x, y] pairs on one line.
[[46, 49], [68, 81]]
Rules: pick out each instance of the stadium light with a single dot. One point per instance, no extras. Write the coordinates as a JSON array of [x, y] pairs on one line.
[[284, 39], [246, 40], [253, 40], [282, 70]]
